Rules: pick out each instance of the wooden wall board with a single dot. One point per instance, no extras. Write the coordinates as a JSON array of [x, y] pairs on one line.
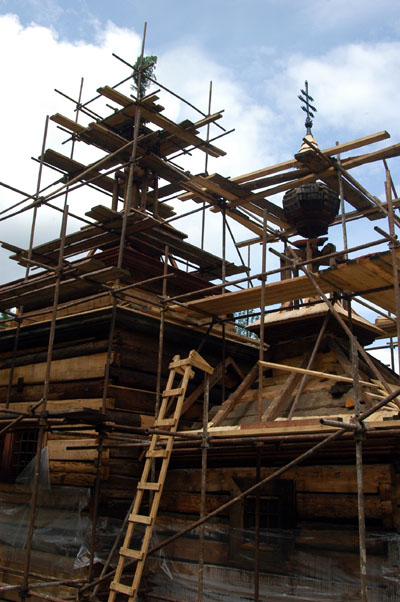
[[93, 404], [58, 450], [329, 478], [85, 367]]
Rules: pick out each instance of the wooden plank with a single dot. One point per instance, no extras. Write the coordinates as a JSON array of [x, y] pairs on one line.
[[189, 503], [67, 123], [75, 368], [182, 134], [67, 404], [196, 360], [316, 373], [223, 187], [332, 478], [340, 278], [105, 139], [312, 506], [275, 292], [281, 400], [333, 150], [57, 449], [378, 155], [343, 360], [234, 397], [215, 377], [78, 467], [122, 99], [165, 123], [245, 221], [70, 288]]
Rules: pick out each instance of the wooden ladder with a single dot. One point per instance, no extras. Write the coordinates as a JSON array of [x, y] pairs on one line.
[[171, 397]]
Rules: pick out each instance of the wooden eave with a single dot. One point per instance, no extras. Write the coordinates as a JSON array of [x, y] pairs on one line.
[[370, 276]]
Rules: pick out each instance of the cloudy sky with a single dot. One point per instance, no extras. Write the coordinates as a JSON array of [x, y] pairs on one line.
[[256, 52]]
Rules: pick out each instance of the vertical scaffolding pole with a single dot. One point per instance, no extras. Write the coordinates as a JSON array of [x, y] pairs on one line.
[[223, 278], [96, 503], [342, 209], [42, 424], [257, 529], [203, 489], [31, 239], [358, 436], [259, 407], [262, 316], [203, 213], [127, 208], [161, 335], [395, 261]]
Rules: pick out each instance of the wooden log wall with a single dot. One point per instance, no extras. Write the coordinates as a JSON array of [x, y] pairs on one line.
[[325, 511], [77, 381]]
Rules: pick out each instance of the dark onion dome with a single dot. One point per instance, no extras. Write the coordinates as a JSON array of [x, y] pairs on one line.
[[310, 208]]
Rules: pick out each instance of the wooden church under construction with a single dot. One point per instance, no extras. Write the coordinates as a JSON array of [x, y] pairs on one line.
[[174, 426]]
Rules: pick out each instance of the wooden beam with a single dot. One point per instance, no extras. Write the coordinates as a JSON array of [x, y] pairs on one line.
[[315, 373], [278, 404], [333, 150], [234, 397], [68, 124]]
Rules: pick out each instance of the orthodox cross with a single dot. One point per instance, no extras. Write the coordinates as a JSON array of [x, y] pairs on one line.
[[308, 108]]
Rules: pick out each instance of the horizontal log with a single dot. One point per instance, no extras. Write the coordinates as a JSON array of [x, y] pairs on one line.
[[84, 388], [124, 467], [341, 506], [323, 479], [76, 368], [216, 552], [121, 485], [65, 404], [189, 503], [59, 353], [78, 467], [72, 478], [58, 450], [343, 540]]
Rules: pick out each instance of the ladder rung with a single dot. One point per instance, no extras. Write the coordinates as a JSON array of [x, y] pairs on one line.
[[178, 363], [129, 553], [158, 453], [140, 518], [149, 486], [165, 422], [173, 392], [180, 366], [122, 589]]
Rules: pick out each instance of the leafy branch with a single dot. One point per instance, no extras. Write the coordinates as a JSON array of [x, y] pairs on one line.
[[147, 70]]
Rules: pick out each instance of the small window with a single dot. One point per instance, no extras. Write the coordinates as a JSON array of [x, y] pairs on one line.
[[270, 512], [277, 521], [17, 451]]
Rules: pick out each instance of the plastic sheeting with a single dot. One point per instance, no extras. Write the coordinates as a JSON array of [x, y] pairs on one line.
[[62, 528], [306, 565]]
